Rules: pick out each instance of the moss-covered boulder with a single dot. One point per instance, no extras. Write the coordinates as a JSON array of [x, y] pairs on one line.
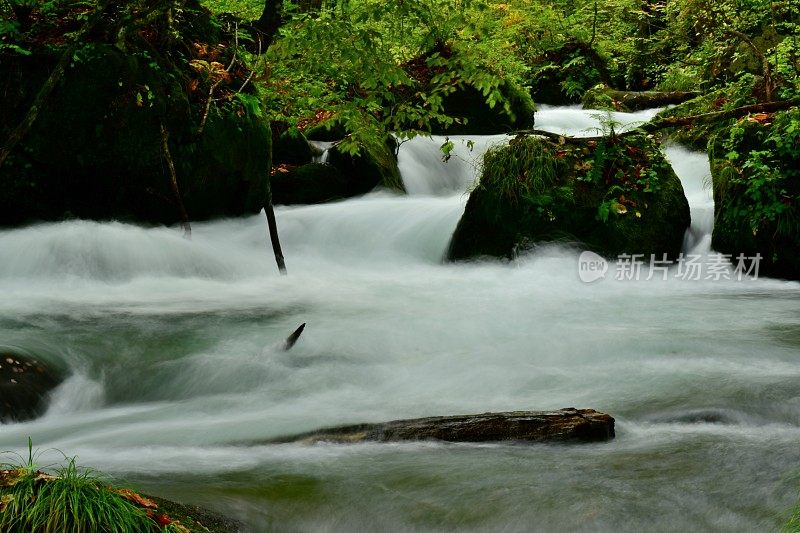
[[562, 75], [476, 117], [292, 148], [313, 183], [371, 166], [327, 131], [478, 103], [96, 149], [756, 177], [611, 195], [344, 174], [25, 385], [71, 498]]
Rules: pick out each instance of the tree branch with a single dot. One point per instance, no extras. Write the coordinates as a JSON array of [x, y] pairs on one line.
[[187, 227]]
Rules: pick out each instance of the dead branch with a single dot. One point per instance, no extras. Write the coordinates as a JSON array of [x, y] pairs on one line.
[[187, 227]]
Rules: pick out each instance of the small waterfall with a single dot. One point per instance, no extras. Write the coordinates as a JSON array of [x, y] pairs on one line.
[[321, 151], [579, 122], [694, 171], [425, 173]]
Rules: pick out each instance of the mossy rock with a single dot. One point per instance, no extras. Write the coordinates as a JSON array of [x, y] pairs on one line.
[[561, 76], [757, 216], [328, 131], [292, 148], [598, 98], [26, 382], [95, 150], [477, 117], [373, 166], [313, 183], [535, 190]]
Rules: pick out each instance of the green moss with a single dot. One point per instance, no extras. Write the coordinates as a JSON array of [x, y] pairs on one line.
[[611, 196], [372, 166], [598, 98]]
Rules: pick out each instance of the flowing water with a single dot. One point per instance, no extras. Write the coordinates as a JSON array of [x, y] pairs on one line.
[[177, 377]]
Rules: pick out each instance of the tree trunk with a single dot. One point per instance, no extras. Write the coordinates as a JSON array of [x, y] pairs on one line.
[[270, 20]]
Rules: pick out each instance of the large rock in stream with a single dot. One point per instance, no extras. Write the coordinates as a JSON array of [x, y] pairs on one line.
[[580, 425], [25, 384], [613, 195]]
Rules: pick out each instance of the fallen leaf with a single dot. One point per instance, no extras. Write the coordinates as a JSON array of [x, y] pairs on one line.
[[138, 499]]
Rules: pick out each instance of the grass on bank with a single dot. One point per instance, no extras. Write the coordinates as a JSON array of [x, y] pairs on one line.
[[72, 500]]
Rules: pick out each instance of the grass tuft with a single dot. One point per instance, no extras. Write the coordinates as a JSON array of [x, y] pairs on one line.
[[72, 500]]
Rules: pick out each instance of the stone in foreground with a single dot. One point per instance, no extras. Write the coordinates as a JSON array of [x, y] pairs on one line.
[[25, 384], [565, 425]]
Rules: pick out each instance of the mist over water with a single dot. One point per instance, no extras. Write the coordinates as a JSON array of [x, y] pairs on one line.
[[177, 376]]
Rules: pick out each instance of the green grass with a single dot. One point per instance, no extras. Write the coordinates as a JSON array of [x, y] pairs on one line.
[[524, 168], [74, 500], [793, 526]]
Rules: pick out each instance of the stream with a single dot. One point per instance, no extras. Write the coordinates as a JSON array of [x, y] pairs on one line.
[[177, 373]]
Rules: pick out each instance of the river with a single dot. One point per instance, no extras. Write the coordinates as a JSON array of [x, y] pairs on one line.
[[177, 376]]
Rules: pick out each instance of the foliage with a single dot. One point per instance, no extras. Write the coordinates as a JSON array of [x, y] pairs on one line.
[[760, 173], [377, 68], [613, 173]]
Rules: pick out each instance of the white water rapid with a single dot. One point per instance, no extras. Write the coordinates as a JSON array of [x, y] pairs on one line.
[[173, 347]]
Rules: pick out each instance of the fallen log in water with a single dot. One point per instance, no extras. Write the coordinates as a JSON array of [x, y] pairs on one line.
[[638, 100], [570, 424]]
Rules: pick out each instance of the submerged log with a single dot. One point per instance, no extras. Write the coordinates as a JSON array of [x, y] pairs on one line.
[[582, 425]]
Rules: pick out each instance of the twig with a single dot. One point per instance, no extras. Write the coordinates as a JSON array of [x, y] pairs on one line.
[[187, 227], [207, 109]]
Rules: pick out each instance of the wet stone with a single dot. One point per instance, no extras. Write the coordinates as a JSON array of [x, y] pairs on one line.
[[25, 384]]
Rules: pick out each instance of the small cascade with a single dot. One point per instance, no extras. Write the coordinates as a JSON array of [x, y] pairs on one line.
[[695, 174], [426, 173], [578, 122], [377, 227], [321, 151]]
